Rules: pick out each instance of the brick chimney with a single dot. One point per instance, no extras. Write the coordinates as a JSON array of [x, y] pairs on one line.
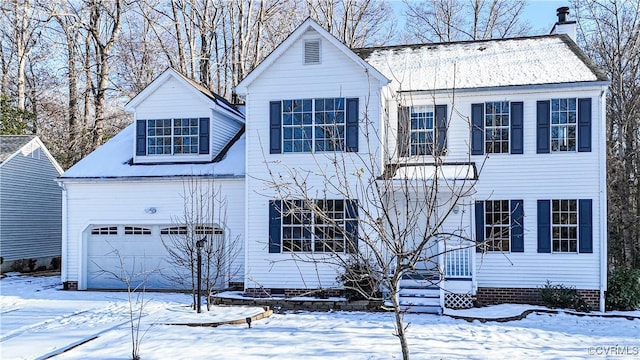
[[564, 26]]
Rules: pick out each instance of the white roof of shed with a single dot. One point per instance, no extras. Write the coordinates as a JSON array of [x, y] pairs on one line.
[[548, 59], [113, 160]]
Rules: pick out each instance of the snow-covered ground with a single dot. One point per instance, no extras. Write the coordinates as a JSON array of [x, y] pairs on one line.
[[39, 320]]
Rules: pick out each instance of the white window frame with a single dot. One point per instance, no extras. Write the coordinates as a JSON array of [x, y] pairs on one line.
[[563, 127], [339, 142], [490, 126], [309, 224], [568, 223], [173, 136], [497, 228], [426, 130]]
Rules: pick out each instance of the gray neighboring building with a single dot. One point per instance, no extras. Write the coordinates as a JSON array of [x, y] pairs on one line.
[[30, 202]]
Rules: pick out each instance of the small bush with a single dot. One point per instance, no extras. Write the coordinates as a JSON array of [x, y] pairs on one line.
[[17, 266], [55, 263], [359, 280], [561, 296], [623, 289]]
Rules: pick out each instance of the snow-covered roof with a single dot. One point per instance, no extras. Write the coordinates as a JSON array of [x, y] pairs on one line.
[[13, 145], [207, 94], [113, 160], [548, 59], [10, 144]]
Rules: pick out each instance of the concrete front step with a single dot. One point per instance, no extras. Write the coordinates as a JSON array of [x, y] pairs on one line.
[[417, 284], [422, 309]]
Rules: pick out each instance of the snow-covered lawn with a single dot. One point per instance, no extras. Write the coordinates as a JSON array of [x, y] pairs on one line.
[[38, 320]]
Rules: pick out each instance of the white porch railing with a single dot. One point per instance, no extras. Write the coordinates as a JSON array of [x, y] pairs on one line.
[[457, 259]]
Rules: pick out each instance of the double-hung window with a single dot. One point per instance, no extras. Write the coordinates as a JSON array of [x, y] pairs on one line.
[[323, 225], [172, 136], [421, 137], [500, 225], [497, 225], [313, 125], [564, 225], [564, 115], [563, 125], [497, 126]]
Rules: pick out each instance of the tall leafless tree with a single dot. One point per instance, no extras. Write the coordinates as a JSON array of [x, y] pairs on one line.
[[454, 20], [404, 210], [609, 31]]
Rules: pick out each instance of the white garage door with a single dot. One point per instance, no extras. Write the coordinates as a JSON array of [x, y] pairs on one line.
[[118, 252]]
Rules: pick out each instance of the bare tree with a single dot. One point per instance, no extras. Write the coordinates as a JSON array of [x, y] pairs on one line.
[[105, 24], [379, 215], [134, 278], [454, 20], [204, 217], [356, 23], [609, 31]]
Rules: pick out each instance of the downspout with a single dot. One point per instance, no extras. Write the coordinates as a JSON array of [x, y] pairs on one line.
[[245, 270], [64, 254], [603, 199]]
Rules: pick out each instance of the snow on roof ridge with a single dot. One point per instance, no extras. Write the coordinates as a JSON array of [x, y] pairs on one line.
[[531, 60]]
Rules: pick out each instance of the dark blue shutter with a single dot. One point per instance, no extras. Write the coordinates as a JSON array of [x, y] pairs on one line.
[[517, 226], [441, 126], [479, 225], [204, 136], [585, 226], [477, 129], [141, 137], [404, 131], [543, 126], [517, 135], [275, 226], [584, 125], [275, 132], [351, 225], [544, 226], [353, 129]]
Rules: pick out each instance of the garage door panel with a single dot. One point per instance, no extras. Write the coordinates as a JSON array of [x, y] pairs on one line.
[[143, 256]]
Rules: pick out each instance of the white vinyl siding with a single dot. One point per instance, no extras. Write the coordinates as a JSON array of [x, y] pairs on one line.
[[122, 203], [288, 78]]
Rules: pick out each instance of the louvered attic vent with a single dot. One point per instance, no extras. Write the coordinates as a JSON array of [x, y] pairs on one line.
[[312, 52]]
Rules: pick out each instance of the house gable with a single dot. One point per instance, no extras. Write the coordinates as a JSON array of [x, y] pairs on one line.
[[178, 120], [312, 32]]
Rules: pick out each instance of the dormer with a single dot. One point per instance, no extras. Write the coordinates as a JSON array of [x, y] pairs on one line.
[[180, 121]]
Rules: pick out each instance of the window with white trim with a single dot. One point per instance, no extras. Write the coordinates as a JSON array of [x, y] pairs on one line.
[[313, 125], [314, 226], [105, 230], [135, 230], [497, 225], [174, 230], [172, 136], [564, 225], [496, 115], [422, 135], [564, 115]]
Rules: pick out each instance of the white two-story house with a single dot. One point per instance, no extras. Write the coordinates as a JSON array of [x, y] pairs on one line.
[[510, 134]]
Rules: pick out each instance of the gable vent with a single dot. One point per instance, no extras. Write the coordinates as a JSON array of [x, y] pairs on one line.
[[312, 52]]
